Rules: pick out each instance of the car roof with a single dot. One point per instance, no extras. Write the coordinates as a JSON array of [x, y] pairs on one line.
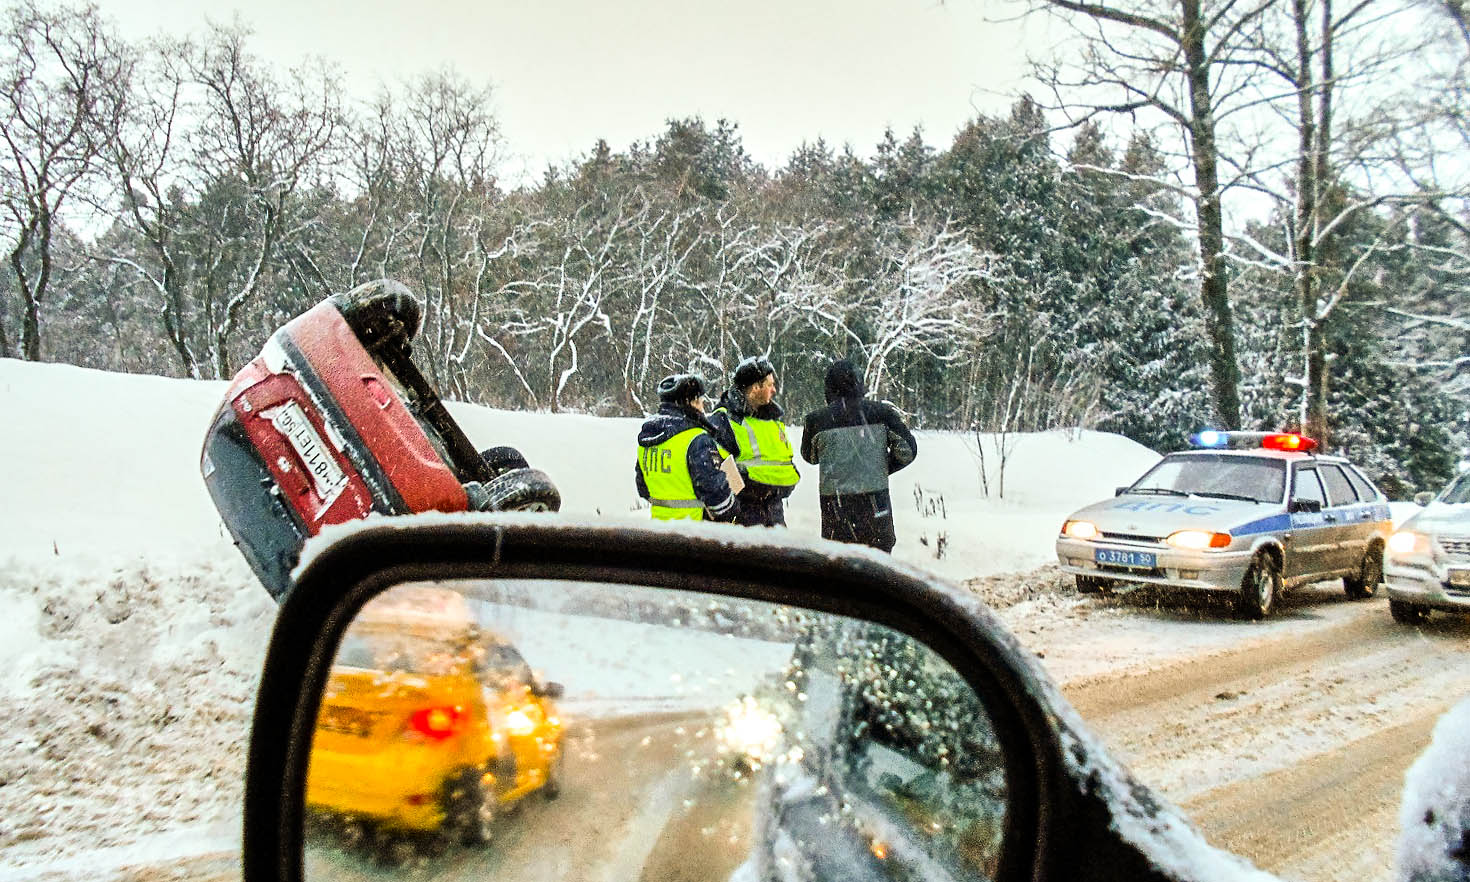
[[1262, 453]]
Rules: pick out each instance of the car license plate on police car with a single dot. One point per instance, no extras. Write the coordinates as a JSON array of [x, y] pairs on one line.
[[1116, 557], [1459, 578]]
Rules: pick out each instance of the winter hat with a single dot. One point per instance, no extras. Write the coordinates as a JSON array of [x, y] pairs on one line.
[[680, 388], [843, 381], [751, 371]]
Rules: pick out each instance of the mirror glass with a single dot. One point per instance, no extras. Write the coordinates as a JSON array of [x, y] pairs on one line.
[[545, 730]]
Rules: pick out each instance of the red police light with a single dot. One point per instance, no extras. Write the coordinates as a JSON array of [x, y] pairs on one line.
[[1289, 441]]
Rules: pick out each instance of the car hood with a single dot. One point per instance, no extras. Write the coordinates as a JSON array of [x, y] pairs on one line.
[[1440, 518], [1158, 516]]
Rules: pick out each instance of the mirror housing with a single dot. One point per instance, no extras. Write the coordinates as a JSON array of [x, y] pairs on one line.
[[1119, 491], [1072, 810], [1300, 506], [1423, 497]]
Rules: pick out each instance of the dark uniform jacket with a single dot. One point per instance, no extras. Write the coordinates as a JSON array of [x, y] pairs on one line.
[[858, 443], [703, 459], [761, 504]]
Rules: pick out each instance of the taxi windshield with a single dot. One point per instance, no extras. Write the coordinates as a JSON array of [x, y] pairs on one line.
[[1221, 476]]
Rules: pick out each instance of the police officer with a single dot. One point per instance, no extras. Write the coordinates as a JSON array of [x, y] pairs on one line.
[[748, 421], [678, 460]]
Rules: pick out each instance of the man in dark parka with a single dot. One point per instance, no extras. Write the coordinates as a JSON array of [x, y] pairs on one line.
[[856, 443]]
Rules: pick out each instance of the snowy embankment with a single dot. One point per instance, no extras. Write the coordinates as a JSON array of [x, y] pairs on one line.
[[132, 633]]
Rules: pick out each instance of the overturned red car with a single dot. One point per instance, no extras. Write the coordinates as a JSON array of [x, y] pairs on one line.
[[333, 422]]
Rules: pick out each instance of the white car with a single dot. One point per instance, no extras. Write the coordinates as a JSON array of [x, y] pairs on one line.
[[1251, 513], [1428, 562]]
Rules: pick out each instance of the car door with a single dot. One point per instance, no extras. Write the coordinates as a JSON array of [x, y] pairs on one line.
[[1345, 516], [1312, 537]]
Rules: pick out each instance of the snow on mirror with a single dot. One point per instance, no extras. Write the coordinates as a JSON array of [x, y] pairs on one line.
[[550, 730]]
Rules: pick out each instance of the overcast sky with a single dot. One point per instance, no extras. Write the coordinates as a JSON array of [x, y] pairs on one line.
[[566, 72]]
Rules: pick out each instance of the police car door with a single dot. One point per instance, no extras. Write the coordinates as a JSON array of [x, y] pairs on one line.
[[1313, 541], [1346, 514]]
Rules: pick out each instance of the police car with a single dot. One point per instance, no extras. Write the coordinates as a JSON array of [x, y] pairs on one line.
[[1252, 513]]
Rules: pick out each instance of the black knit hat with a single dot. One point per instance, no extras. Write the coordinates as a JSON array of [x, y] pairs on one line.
[[680, 388], [751, 371]]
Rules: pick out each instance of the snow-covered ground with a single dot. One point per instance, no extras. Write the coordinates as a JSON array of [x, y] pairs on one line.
[[131, 631]]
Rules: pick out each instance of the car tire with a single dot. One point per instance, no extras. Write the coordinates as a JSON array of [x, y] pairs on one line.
[[1260, 586], [503, 459], [469, 811], [555, 776], [1364, 583], [522, 490], [1407, 613], [1093, 585], [381, 312]]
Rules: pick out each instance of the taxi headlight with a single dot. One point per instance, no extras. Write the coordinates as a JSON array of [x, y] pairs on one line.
[[1408, 542], [1195, 540], [750, 729], [520, 723], [1080, 530]]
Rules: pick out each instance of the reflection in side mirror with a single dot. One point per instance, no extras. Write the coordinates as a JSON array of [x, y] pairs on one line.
[[695, 737], [1304, 506], [1423, 497]]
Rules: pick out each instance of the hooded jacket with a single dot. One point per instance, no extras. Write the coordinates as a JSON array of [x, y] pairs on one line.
[[702, 460], [857, 441]]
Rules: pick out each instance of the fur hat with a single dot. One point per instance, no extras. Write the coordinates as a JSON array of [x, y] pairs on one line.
[[751, 371], [680, 388]]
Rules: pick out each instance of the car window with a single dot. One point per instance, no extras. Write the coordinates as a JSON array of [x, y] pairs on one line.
[[1216, 474], [1458, 492], [1338, 488], [1366, 491], [1307, 486]]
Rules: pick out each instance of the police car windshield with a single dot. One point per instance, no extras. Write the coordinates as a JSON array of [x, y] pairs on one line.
[[1223, 476]]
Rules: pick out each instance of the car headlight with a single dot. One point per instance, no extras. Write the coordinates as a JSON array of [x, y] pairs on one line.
[[1408, 542], [750, 729], [1080, 530], [1195, 540]]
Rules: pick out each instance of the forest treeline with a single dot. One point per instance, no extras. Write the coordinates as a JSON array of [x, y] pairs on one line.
[[170, 203]]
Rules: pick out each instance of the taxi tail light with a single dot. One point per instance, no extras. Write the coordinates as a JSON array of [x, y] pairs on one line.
[[1289, 441], [436, 723]]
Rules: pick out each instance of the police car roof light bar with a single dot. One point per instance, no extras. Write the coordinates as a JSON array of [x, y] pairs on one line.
[[1287, 441]]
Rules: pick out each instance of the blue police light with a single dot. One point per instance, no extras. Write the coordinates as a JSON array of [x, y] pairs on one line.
[[1209, 438]]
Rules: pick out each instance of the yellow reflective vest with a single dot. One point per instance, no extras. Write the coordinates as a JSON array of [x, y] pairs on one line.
[[665, 469], [764, 452]]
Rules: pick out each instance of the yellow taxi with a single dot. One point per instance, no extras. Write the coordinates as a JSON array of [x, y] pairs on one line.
[[431, 723]]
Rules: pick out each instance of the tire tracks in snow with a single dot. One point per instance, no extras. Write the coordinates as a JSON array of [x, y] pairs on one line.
[[1291, 748]]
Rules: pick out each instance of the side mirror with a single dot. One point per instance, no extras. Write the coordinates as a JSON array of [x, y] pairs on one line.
[[551, 689], [1304, 506], [1119, 491], [830, 713], [1423, 497]]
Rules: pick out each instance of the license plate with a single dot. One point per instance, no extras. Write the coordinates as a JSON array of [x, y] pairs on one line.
[[1460, 578], [1114, 557], [327, 477]]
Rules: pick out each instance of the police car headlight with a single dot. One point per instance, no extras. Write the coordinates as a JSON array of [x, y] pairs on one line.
[[1408, 542], [1195, 540], [1080, 530]]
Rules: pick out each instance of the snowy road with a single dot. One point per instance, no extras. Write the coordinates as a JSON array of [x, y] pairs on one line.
[[1288, 743]]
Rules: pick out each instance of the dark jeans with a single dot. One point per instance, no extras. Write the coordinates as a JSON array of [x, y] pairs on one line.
[[863, 519], [766, 513]]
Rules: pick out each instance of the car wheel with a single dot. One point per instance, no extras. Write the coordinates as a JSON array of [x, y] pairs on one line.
[[1407, 613], [380, 312], [503, 459], [1370, 572], [522, 490], [469, 809], [1093, 585], [1260, 586], [555, 776]]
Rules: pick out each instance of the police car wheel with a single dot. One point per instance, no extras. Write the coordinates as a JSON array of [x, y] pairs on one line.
[[1260, 587], [1093, 585], [1407, 613], [1364, 583]]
